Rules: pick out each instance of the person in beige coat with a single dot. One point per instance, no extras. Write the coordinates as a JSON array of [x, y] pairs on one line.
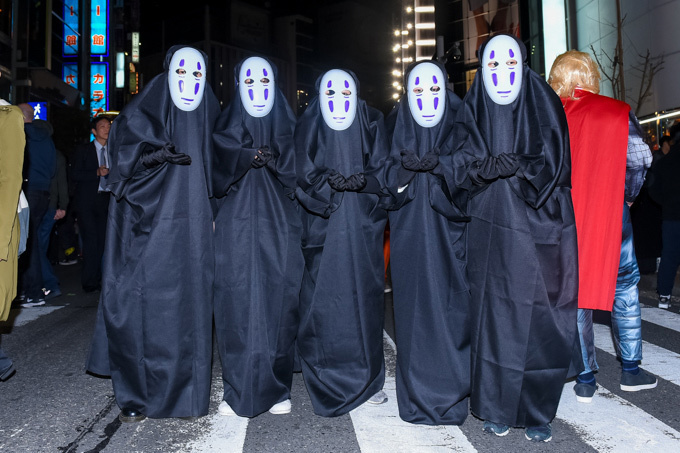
[[12, 142]]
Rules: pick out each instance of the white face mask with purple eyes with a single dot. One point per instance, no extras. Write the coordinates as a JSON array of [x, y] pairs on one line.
[[502, 69], [426, 94], [186, 78], [338, 99], [256, 86]]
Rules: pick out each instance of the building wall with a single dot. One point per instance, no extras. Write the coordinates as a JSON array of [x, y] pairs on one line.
[[649, 24]]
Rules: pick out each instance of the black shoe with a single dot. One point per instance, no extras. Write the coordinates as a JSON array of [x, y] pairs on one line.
[[91, 289], [130, 416], [584, 392], [636, 382], [52, 293], [33, 302], [8, 373]]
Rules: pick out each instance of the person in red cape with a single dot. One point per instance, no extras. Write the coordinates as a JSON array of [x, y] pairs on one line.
[[609, 162]]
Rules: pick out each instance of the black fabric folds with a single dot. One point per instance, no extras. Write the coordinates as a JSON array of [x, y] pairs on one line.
[[154, 326], [258, 256], [427, 262], [341, 301], [513, 164]]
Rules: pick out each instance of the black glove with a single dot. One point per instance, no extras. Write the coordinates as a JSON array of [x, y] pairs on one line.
[[263, 156], [409, 160], [484, 170], [337, 181], [507, 164], [356, 182], [165, 154], [429, 161]]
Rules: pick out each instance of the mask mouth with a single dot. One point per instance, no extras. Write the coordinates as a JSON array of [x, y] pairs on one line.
[[187, 99], [339, 118], [428, 116]]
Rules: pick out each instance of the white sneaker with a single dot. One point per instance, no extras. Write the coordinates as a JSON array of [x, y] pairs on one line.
[[379, 398], [664, 301], [225, 409], [281, 408]]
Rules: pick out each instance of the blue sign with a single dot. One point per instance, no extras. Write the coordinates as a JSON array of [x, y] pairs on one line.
[[39, 110], [71, 29], [69, 74], [99, 88], [99, 25]]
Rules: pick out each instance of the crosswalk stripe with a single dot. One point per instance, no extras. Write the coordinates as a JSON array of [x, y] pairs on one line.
[[22, 316], [655, 359], [660, 317], [379, 429], [610, 423]]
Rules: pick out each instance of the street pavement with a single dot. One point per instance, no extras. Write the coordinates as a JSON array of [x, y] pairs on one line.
[[52, 405]]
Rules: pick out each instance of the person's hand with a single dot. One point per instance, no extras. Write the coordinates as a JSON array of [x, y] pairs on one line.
[[409, 160], [263, 156], [337, 181], [59, 214], [102, 171], [429, 161], [165, 154], [507, 164], [356, 182]]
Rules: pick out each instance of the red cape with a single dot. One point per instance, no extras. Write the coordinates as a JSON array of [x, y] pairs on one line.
[[598, 131]]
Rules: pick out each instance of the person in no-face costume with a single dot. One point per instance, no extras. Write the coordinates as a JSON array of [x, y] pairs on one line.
[[257, 241], [341, 148], [522, 253], [154, 327], [427, 236]]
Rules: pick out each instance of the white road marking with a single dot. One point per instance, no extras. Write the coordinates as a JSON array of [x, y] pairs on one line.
[[661, 317], [21, 316], [379, 429]]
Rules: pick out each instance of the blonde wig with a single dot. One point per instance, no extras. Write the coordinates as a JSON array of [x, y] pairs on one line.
[[574, 69]]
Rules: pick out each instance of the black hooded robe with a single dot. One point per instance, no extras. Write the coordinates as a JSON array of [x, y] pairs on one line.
[[522, 253], [258, 255], [429, 281], [342, 298], [154, 328]]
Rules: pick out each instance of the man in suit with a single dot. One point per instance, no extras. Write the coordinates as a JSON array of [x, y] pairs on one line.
[[91, 200]]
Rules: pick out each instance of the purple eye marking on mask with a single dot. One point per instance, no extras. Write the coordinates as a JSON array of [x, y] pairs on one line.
[[199, 64], [330, 83], [265, 72], [512, 54], [492, 54], [250, 94], [181, 86], [346, 106], [248, 73], [417, 80], [436, 103], [420, 104], [346, 84], [512, 78], [266, 94], [494, 77], [198, 85], [434, 79], [330, 106], [181, 62]]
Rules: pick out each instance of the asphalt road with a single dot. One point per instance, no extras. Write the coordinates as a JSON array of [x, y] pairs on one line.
[[52, 405]]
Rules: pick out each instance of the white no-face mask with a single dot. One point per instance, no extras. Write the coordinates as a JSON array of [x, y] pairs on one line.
[[256, 86], [338, 99], [502, 69], [186, 78], [426, 94]]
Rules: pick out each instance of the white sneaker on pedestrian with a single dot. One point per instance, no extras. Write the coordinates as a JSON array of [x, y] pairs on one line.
[[281, 408], [379, 398], [664, 301], [33, 302], [225, 409]]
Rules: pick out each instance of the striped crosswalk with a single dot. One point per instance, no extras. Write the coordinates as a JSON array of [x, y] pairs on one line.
[[610, 423]]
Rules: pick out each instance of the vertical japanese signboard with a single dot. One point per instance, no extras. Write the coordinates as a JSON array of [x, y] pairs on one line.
[[70, 74], [99, 84], [99, 25], [71, 27]]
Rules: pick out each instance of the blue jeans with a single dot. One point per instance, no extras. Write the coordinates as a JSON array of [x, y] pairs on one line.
[[49, 280], [38, 203], [626, 318], [5, 362]]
